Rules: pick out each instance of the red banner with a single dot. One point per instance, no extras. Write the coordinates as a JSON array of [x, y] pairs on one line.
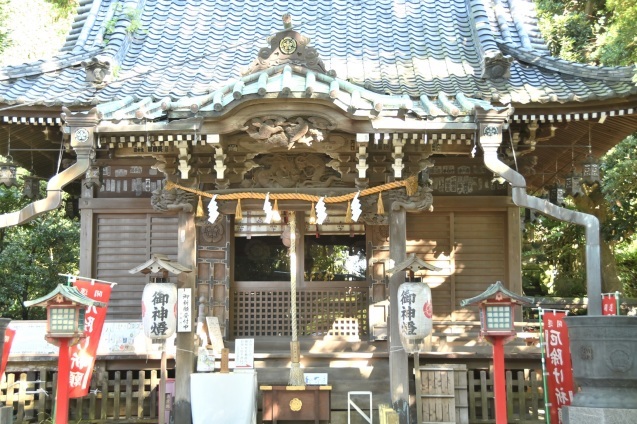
[[83, 354], [559, 372], [609, 303], [9, 334]]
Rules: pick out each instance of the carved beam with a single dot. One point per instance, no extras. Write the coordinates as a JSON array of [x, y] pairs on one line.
[[184, 158], [362, 141], [398, 155]]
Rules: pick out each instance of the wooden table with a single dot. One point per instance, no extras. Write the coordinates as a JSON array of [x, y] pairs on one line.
[[296, 403]]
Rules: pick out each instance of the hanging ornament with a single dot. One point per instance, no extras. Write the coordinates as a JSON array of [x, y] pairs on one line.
[[348, 213], [312, 215], [8, 173], [590, 171], [200, 212], [321, 211], [8, 170], [276, 215], [213, 210], [31, 184], [267, 208], [556, 194], [356, 207], [381, 208], [238, 213], [31, 187]]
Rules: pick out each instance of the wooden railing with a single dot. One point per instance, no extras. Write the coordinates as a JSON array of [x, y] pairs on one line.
[[525, 400], [130, 396], [263, 308]]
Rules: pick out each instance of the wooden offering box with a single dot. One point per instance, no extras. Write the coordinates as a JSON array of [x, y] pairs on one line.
[[296, 403]]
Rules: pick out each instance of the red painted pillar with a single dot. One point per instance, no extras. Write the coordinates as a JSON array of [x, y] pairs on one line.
[[499, 381], [62, 394]]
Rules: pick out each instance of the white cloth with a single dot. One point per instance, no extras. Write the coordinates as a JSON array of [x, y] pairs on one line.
[[223, 398]]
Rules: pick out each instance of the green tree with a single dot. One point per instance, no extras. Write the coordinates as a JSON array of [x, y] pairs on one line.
[[32, 256], [594, 31], [600, 32]]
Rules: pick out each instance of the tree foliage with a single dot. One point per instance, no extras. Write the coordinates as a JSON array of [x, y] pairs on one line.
[[599, 32], [620, 190], [594, 31], [32, 255], [552, 259]]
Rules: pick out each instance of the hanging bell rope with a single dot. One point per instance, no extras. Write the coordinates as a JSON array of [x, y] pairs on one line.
[[296, 373]]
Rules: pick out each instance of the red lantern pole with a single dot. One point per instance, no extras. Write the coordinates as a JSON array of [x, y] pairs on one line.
[[499, 381], [62, 393]]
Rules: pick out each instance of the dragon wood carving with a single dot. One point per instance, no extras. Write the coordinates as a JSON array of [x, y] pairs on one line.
[[286, 171], [287, 132]]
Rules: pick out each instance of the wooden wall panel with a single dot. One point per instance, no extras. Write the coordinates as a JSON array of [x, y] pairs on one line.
[[470, 248], [123, 241], [429, 236], [481, 251]]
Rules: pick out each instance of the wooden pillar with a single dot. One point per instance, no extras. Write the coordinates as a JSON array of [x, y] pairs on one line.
[[398, 358], [185, 356], [514, 247], [87, 242]]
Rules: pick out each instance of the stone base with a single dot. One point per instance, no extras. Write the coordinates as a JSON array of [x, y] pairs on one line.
[[583, 415]]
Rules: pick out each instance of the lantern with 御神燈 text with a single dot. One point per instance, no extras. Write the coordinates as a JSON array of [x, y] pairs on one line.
[[159, 310], [414, 306], [415, 315]]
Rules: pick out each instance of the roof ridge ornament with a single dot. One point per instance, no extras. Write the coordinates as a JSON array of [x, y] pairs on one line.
[[288, 47], [98, 70], [496, 65]]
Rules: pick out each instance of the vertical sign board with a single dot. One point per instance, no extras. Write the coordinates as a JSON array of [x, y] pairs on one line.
[[559, 372], [244, 354], [184, 310], [83, 353], [214, 332], [609, 303]]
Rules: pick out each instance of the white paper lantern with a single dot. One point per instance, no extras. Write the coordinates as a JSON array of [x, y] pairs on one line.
[[414, 315], [159, 310]]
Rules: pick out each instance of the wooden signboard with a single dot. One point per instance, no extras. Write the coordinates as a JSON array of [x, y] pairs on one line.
[[214, 332], [129, 181], [463, 177]]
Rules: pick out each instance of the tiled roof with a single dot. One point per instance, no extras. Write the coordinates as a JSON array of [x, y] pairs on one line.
[[419, 54]]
